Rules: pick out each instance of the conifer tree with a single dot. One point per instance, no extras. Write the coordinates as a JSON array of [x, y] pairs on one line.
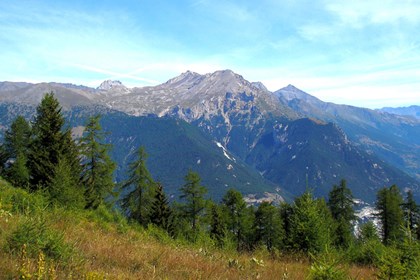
[[286, 213], [16, 145], [268, 226], [97, 166], [235, 210], [64, 189], [341, 203], [310, 224], [50, 142], [217, 225], [368, 232], [390, 214], [192, 193], [161, 213], [140, 189], [3, 158], [17, 138], [411, 213]]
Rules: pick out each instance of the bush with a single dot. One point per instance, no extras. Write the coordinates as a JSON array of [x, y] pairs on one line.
[[159, 234], [326, 267], [400, 262], [19, 201], [34, 234], [366, 253]]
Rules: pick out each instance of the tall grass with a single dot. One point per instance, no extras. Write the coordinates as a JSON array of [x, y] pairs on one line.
[[69, 244]]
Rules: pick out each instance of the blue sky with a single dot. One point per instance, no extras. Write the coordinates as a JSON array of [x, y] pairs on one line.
[[359, 52]]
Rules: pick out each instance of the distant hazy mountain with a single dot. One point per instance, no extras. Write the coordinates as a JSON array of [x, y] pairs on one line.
[[239, 134], [393, 138], [413, 111]]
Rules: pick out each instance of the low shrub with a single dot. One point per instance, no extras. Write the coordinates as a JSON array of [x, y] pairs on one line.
[[36, 236], [327, 266]]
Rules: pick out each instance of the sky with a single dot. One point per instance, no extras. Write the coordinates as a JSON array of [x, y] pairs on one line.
[[361, 52]]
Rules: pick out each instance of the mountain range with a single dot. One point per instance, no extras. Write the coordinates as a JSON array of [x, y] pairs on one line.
[[237, 133]]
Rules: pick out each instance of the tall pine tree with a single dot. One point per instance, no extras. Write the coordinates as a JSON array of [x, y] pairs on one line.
[[16, 146], [390, 214], [192, 195], [268, 226], [412, 213], [217, 225], [340, 203], [161, 212], [50, 142], [310, 224], [97, 166], [140, 189], [235, 210]]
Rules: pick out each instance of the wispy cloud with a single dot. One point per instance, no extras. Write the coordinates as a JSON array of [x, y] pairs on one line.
[[359, 13]]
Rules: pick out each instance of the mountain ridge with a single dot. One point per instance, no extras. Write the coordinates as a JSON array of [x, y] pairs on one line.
[[244, 117]]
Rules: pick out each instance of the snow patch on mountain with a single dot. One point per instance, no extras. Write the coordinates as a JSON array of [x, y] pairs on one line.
[[225, 152]]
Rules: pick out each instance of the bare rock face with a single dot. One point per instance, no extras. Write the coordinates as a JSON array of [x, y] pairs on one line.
[[112, 88]]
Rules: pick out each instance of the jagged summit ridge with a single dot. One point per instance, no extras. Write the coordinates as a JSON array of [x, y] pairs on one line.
[[291, 92], [200, 95], [110, 84]]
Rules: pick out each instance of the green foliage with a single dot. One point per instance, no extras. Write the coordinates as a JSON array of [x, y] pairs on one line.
[[35, 234], [64, 190], [16, 143], [217, 225], [367, 252], [310, 224], [237, 217], [268, 226], [161, 213], [412, 214], [341, 203], [326, 266], [286, 211], [18, 173], [400, 263], [192, 193], [50, 142], [390, 214], [97, 166], [368, 232], [159, 234], [16, 139], [140, 188], [19, 201]]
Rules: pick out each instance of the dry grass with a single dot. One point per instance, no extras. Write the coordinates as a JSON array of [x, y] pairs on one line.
[[107, 252]]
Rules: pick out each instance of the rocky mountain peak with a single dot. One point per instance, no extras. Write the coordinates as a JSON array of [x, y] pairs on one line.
[[291, 92], [187, 77], [259, 85], [110, 84]]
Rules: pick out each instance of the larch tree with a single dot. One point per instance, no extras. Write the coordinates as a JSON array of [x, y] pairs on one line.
[[268, 226], [192, 195], [139, 189], [217, 225], [310, 225], [390, 213], [411, 213], [97, 167], [235, 210], [340, 203]]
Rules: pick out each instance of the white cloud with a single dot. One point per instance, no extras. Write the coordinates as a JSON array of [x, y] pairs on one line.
[[358, 13]]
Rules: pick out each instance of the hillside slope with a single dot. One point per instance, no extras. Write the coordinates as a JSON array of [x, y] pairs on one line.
[[118, 250]]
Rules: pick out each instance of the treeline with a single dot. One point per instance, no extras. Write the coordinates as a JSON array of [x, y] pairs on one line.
[[42, 156]]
